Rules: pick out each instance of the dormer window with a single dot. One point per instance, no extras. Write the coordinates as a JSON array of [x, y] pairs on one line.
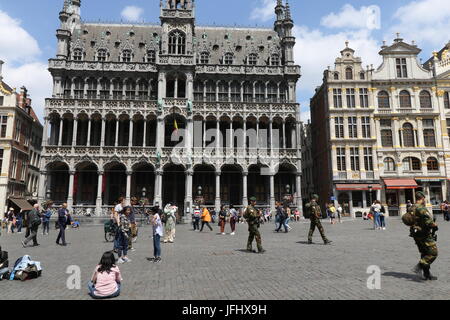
[[151, 56], [275, 60], [77, 55], [126, 56], [102, 55], [349, 74], [204, 58], [252, 59], [228, 58], [402, 69], [177, 42]]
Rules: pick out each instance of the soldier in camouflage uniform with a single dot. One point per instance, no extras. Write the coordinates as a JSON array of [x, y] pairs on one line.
[[252, 217], [315, 214], [423, 233]]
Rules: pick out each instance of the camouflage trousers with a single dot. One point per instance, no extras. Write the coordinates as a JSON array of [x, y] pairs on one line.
[[253, 233], [316, 223], [428, 250]]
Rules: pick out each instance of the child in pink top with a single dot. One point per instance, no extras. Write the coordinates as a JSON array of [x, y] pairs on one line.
[[106, 280]]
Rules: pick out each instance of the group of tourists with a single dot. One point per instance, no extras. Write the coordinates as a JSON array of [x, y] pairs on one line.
[[227, 214]]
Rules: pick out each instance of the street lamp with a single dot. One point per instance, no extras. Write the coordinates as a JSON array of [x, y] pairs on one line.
[[143, 193], [48, 194], [370, 194]]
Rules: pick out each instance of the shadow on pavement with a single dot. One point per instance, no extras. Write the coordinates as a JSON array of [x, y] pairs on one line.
[[401, 275]]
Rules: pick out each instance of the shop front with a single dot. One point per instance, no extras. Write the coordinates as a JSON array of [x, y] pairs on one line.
[[397, 194], [355, 199]]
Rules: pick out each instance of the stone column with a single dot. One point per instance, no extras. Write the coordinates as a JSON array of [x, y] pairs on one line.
[[217, 202], [88, 142], [102, 129], [75, 132], [272, 192], [130, 138], [218, 138], [298, 187], [45, 133], [116, 142], [419, 134], [158, 188], [70, 194], [42, 182], [160, 133], [128, 190], [284, 134], [187, 217], [244, 189], [99, 202], [144, 138], [61, 123]]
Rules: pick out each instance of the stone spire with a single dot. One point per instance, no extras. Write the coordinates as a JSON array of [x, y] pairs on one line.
[[1, 66], [288, 11]]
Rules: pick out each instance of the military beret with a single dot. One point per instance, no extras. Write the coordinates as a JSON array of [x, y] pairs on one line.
[[253, 199], [315, 196], [420, 195]]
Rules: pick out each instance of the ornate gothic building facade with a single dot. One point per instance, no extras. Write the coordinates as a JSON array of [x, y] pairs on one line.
[[129, 100]]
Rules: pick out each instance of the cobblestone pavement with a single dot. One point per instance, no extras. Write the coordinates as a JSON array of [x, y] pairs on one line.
[[212, 266]]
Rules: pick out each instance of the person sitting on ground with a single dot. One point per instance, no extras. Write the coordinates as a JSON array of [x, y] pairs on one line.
[[106, 280]]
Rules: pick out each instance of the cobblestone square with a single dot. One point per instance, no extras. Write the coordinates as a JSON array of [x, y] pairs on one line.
[[212, 266]]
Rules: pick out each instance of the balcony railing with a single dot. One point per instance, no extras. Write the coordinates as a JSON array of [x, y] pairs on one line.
[[244, 69], [101, 66]]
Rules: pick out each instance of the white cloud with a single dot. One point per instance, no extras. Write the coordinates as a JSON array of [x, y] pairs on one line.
[[315, 51], [426, 21], [351, 18], [16, 44], [20, 52], [36, 78], [264, 10], [132, 13]]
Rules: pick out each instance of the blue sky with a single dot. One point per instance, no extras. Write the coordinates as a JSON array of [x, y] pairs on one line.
[[27, 31]]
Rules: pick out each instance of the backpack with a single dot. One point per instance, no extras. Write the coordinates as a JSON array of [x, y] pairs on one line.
[[409, 219], [307, 211], [36, 220]]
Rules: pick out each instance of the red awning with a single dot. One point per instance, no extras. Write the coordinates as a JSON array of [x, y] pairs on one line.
[[401, 184], [357, 187]]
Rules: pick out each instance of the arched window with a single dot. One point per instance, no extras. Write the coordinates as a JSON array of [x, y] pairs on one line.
[[272, 90], [126, 56], [275, 60], [389, 165], [425, 100], [67, 88], [252, 59], [204, 58], [248, 92], [143, 89], [78, 88], [408, 135], [130, 89], [383, 100], [260, 92], [102, 55], [177, 42], [104, 88], [117, 89], [349, 73], [432, 164], [228, 58], [198, 90], [151, 56], [92, 88], [405, 99], [223, 91], [210, 91], [411, 164], [78, 54], [336, 76], [235, 91]]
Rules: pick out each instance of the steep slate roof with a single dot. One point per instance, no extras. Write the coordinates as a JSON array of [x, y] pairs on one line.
[[140, 38]]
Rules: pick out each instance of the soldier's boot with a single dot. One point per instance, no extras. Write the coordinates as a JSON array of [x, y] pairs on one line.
[[310, 241], [261, 251], [326, 241], [418, 269], [427, 274]]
